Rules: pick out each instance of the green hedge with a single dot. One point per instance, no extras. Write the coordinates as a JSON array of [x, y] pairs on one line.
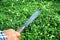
[[46, 27]]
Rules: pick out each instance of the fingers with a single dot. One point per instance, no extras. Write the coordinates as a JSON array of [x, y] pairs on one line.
[[18, 35], [17, 38], [12, 34], [9, 30]]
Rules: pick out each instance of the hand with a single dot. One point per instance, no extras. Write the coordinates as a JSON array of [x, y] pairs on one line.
[[12, 34]]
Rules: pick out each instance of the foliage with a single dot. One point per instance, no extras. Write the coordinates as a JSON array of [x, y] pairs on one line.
[[14, 13]]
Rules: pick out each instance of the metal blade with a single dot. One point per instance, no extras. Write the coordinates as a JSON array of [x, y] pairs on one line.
[[33, 17]]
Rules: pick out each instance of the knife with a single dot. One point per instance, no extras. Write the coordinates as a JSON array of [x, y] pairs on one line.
[[33, 17]]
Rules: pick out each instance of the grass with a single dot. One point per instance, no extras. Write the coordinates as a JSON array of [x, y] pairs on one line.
[[46, 27]]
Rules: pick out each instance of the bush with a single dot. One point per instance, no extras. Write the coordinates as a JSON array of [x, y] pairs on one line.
[[46, 27]]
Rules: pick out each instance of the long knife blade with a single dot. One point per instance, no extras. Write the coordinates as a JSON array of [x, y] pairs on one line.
[[33, 17]]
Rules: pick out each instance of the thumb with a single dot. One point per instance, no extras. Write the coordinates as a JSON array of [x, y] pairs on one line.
[[18, 34]]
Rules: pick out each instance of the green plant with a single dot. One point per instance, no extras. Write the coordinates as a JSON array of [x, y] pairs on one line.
[[46, 27]]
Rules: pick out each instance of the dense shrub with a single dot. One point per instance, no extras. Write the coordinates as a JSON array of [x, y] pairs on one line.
[[46, 27]]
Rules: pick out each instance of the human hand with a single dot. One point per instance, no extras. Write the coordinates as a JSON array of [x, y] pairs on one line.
[[12, 34]]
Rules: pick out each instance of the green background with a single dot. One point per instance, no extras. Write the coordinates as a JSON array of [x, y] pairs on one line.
[[14, 13]]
